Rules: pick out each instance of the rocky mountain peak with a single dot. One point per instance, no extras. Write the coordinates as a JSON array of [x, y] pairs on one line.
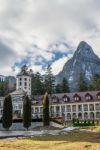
[[84, 50], [83, 46], [83, 61]]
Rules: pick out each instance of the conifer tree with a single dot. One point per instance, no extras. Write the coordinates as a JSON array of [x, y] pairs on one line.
[[64, 86], [95, 82], [37, 84], [46, 119], [58, 88], [81, 84], [26, 112], [49, 80], [7, 112]]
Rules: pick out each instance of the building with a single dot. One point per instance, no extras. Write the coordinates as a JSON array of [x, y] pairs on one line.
[[81, 105], [24, 80], [23, 87], [17, 102]]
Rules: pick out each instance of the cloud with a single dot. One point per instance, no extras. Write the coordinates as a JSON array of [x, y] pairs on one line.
[[58, 65], [38, 32]]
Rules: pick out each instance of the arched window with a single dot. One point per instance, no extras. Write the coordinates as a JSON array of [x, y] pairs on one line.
[[85, 115], [66, 98], [74, 115], [91, 115], [88, 97], [77, 98], [80, 115], [68, 116]]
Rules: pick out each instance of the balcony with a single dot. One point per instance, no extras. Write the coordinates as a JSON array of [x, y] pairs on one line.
[[85, 107], [74, 108]]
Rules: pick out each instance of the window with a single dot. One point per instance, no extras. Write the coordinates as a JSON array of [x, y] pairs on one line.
[[41, 109], [85, 107], [65, 98], [25, 83], [36, 109], [20, 79], [63, 109], [20, 83], [88, 98], [77, 97], [55, 99], [79, 107], [20, 106], [98, 97], [68, 108], [74, 108], [52, 109], [25, 79]]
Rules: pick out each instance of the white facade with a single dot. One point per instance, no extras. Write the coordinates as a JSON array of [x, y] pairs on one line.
[[24, 82], [82, 111], [81, 105]]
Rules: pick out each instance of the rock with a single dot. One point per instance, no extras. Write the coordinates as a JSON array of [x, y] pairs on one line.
[[83, 61]]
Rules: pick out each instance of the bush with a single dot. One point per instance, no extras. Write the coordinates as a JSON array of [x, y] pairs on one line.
[[77, 123], [46, 119], [7, 112], [27, 117]]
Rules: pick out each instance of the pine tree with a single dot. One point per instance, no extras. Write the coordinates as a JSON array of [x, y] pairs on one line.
[[4, 89], [26, 112], [81, 84], [7, 112], [49, 80], [64, 86], [95, 82], [58, 88], [37, 84], [46, 119]]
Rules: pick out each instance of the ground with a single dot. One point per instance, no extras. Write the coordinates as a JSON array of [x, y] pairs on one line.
[[80, 139]]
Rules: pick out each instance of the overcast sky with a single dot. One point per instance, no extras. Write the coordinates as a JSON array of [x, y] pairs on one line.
[[38, 32]]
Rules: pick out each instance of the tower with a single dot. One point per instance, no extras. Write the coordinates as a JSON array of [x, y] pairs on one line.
[[24, 80]]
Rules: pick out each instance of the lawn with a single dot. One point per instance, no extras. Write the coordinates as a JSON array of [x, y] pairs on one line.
[[83, 139]]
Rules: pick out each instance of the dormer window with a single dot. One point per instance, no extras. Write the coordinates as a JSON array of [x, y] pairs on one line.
[[65, 98], [55, 99], [77, 98], [88, 97], [98, 96]]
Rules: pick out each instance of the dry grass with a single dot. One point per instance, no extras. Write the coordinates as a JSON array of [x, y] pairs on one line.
[[83, 139]]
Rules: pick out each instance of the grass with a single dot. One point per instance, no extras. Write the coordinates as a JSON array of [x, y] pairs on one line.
[[83, 139]]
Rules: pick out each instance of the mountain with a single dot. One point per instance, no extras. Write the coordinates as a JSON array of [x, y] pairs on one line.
[[84, 61], [11, 82]]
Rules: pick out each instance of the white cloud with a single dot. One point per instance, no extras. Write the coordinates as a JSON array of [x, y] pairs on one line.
[[25, 23], [58, 65]]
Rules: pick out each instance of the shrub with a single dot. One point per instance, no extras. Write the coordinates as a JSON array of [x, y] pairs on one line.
[[7, 112], [46, 119], [26, 112]]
